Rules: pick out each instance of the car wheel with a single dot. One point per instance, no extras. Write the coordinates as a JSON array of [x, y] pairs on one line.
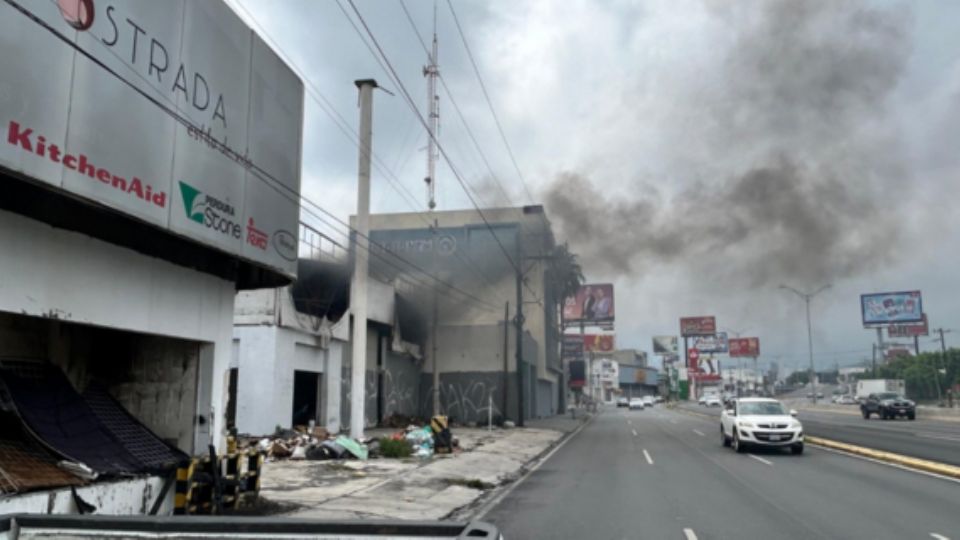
[[797, 449], [865, 413], [737, 445], [724, 440]]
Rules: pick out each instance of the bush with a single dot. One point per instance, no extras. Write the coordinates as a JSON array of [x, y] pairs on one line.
[[390, 448]]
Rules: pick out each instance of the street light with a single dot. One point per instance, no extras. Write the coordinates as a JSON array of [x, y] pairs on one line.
[[807, 296]]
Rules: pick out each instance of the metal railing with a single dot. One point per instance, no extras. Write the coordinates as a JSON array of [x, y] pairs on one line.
[[317, 246]]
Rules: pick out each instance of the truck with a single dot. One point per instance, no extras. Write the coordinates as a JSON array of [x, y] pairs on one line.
[[865, 387]]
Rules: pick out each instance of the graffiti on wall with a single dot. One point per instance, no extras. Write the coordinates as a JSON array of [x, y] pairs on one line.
[[468, 399]]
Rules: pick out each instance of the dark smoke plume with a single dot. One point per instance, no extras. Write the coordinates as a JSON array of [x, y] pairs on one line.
[[799, 148]]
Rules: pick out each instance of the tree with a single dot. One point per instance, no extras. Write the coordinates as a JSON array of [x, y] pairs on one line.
[[566, 275]]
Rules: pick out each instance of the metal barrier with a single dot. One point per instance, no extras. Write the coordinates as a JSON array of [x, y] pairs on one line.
[[216, 484]]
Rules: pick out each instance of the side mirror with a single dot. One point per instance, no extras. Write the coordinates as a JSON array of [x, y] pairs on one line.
[[793, 412]]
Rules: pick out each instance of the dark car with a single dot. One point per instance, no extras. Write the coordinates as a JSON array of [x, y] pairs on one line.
[[888, 405]]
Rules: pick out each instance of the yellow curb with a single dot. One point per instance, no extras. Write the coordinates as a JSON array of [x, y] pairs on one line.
[[889, 457]]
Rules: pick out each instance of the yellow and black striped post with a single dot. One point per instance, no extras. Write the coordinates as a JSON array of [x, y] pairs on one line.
[[181, 498]]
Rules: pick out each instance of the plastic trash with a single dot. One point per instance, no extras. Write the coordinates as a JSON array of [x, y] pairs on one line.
[[352, 446], [333, 449], [299, 452]]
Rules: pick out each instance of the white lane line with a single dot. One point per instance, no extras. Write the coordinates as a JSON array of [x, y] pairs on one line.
[[760, 459], [647, 455], [634, 432], [691, 535], [698, 432], [939, 437], [939, 536]]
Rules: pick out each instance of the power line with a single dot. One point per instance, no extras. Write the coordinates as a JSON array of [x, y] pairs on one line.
[[403, 91], [257, 172], [456, 107], [486, 96], [347, 130]]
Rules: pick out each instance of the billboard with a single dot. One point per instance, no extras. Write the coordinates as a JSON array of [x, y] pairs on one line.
[[598, 343], [572, 347], [698, 326], [716, 343], [172, 113], [592, 304], [891, 308], [748, 346], [909, 330], [665, 345]]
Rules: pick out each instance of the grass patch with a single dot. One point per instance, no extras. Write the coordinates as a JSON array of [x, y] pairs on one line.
[[390, 448]]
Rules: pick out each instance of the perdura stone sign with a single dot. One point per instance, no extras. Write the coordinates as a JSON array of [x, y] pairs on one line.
[[173, 113]]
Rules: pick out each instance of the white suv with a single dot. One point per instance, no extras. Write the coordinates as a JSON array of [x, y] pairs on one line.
[[760, 422]]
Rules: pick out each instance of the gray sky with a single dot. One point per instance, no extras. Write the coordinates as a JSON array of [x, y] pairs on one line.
[[695, 153]]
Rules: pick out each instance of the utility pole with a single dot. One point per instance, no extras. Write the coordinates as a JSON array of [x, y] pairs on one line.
[[807, 296], [358, 285], [506, 361], [874, 350], [518, 321]]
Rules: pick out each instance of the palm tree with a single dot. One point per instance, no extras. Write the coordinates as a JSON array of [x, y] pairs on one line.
[[566, 275]]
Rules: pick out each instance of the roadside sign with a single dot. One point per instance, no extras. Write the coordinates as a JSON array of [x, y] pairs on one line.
[[698, 326], [693, 359]]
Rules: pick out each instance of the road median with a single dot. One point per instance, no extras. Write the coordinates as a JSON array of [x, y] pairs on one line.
[[888, 457]]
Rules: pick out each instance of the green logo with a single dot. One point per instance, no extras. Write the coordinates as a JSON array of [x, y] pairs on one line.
[[193, 204]]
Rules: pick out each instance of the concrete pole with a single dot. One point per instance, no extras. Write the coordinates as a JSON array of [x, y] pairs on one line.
[[813, 370], [358, 283]]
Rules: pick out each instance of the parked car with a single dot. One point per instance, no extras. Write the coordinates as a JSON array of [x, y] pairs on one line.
[[712, 401], [636, 404], [622, 402], [847, 400], [760, 422], [702, 400], [659, 399], [888, 405], [649, 401]]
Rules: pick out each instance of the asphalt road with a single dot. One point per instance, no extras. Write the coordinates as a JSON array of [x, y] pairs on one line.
[[936, 440], [663, 474]]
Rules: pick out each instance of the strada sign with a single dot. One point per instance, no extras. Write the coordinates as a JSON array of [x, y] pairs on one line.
[[909, 330], [173, 113]]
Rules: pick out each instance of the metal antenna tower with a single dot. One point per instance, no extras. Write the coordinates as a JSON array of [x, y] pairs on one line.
[[431, 71]]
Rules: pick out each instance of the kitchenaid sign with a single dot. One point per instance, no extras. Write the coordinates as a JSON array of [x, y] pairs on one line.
[[171, 112]]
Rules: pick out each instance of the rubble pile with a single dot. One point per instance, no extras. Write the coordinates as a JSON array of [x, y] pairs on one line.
[[315, 443]]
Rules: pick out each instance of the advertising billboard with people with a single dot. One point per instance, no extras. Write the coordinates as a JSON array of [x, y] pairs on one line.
[[592, 304]]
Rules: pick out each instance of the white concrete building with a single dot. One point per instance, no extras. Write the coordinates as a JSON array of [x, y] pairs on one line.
[[130, 216]]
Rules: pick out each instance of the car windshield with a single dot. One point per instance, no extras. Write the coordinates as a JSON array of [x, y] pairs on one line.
[[457, 234], [761, 408]]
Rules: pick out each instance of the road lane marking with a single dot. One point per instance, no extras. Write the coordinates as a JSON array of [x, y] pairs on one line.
[[647, 455], [940, 437], [692, 536], [760, 459], [939, 536], [634, 432], [698, 432], [630, 422]]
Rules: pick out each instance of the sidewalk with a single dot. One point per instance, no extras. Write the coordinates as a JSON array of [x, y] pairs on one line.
[[412, 488]]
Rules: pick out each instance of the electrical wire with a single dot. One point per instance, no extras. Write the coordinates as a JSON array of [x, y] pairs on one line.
[[456, 107], [255, 170], [406, 95], [486, 96]]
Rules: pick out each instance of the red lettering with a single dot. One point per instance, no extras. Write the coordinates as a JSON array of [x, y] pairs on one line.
[[136, 187], [85, 167], [54, 151], [119, 183], [160, 199], [15, 136], [103, 175], [70, 161]]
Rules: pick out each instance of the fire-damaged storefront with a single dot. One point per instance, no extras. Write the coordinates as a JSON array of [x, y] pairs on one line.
[[149, 168]]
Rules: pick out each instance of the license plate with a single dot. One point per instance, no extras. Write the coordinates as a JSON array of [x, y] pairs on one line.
[[774, 437], [903, 411]]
